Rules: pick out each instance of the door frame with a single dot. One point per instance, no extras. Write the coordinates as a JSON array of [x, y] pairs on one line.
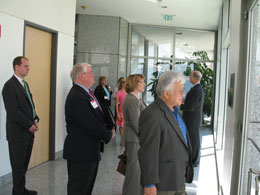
[[242, 172], [52, 83]]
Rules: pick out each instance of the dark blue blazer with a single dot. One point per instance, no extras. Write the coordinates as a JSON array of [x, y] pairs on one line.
[[86, 127], [193, 107]]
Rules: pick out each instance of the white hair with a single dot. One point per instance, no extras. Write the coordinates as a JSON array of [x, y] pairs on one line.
[[167, 79], [77, 69]]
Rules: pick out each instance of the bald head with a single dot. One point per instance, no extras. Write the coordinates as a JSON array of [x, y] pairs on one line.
[[195, 77]]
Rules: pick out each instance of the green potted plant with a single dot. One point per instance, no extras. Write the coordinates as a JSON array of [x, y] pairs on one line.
[[206, 81]]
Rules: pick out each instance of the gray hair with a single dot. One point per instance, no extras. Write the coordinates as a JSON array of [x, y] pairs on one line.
[[167, 79], [77, 69]]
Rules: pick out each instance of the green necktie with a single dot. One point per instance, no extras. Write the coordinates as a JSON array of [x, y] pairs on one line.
[[29, 96]]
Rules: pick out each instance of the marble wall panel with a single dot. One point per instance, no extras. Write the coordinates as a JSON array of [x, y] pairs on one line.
[[123, 37], [122, 67], [102, 65], [252, 159], [98, 34]]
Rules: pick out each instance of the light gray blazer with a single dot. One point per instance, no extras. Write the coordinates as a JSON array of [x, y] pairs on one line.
[[132, 107], [164, 156]]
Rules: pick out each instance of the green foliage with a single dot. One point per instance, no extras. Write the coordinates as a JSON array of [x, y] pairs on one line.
[[155, 80], [154, 83], [206, 81]]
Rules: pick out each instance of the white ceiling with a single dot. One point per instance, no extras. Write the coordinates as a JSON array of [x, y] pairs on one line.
[[195, 14]]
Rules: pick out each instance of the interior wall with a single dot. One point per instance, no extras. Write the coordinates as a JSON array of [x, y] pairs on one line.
[[234, 115], [53, 14], [49, 14], [12, 34]]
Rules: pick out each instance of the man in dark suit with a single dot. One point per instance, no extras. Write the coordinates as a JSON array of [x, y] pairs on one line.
[[165, 151], [192, 114], [87, 132], [21, 123]]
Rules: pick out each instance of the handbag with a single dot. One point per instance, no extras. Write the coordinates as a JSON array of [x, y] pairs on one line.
[[121, 168]]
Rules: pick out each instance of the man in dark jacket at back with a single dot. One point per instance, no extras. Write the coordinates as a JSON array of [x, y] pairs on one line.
[[87, 132], [192, 114]]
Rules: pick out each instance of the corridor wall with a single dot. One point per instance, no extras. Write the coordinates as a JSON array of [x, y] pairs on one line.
[[56, 15]]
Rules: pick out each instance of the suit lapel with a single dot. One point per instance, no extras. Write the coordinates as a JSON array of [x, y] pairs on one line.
[[173, 122], [89, 100], [21, 88]]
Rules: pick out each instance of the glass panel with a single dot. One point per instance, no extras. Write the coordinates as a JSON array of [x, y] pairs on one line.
[[181, 66], [188, 42], [154, 65], [137, 66], [137, 44], [160, 41], [252, 156]]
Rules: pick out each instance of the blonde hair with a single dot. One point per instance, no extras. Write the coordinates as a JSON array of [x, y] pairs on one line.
[[132, 82], [120, 82]]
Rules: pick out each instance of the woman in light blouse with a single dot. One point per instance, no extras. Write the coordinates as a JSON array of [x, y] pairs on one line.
[[132, 107]]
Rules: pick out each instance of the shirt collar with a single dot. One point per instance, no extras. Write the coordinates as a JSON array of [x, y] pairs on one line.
[[196, 84], [19, 79], [82, 86]]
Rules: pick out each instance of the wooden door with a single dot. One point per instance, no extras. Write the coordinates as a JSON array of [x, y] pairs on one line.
[[38, 50]]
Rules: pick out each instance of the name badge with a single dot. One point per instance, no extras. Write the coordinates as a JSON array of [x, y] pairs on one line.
[[94, 104], [105, 97]]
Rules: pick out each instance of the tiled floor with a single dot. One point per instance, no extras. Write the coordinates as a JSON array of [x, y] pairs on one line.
[[50, 178]]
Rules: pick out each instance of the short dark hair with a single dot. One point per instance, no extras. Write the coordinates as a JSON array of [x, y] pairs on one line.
[[18, 61]]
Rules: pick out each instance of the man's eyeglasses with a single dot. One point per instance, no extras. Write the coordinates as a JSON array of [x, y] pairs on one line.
[[181, 92]]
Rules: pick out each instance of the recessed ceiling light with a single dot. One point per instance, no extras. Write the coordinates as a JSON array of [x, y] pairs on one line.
[[164, 7], [179, 33]]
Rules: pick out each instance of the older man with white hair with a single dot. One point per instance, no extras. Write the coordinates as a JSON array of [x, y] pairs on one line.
[[165, 149], [87, 132]]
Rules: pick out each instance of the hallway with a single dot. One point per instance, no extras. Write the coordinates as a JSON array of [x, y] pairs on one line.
[[50, 178]]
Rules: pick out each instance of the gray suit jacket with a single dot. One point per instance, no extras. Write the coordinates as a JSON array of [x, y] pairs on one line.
[[132, 107], [164, 155]]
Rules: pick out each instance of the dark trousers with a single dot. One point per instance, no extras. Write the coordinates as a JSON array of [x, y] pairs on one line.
[[20, 154], [195, 143], [82, 176]]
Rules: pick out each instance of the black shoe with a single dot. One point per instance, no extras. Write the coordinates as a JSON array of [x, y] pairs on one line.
[[30, 192]]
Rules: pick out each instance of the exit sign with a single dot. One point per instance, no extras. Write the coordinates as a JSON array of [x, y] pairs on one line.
[[168, 17]]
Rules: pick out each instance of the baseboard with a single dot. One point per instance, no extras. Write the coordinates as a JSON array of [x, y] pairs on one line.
[[59, 154], [5, 179]]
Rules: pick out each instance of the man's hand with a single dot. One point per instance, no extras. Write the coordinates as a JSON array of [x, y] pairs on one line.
[[150, 191], [113, 133], [34, 128]]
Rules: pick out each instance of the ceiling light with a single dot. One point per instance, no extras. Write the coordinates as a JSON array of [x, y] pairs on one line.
[[179, 33]]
